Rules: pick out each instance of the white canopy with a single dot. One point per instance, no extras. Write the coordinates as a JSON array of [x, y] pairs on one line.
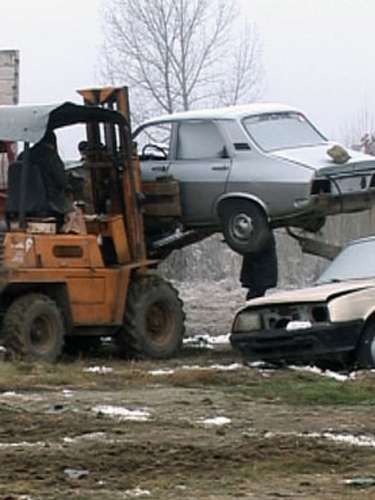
[[29, 123]]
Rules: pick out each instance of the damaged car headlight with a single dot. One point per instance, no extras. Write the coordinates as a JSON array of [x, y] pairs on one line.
[[247, 322]]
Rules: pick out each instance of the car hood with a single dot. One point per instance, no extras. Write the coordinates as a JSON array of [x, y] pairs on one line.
[[317, 293], [316, 158]]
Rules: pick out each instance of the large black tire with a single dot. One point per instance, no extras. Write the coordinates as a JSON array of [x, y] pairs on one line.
[[365, 353], [154, 320], [33, 328], [245, 226]]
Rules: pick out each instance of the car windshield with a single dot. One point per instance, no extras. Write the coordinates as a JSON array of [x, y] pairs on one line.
[[356, 261], [275, 131]]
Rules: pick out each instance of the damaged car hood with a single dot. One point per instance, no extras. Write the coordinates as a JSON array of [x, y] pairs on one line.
[[316, 158], [317, 293]]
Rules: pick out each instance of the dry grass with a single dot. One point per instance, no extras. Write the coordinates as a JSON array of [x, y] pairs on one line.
[[248, 384]]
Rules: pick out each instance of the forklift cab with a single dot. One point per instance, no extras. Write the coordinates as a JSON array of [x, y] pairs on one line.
[[111, 181]]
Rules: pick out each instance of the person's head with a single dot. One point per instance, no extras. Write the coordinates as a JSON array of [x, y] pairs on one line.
[[82, 148]]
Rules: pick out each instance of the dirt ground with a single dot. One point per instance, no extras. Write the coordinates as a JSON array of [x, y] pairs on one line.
[[187, 428]]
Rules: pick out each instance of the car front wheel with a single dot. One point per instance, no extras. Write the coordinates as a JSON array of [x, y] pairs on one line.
[[245, 226], [365, 354]]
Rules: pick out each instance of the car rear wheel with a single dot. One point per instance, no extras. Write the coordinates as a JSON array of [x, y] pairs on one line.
[[365, 354], [245, 226]]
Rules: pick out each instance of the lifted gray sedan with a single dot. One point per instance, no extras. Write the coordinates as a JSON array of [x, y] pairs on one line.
[[244, 170], [329, 323]]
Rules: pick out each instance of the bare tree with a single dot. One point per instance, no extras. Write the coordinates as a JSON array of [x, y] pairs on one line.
[[181, 54], [359, 132]]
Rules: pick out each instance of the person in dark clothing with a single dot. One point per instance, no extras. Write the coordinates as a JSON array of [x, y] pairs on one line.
[[45, 155], [259, 270]]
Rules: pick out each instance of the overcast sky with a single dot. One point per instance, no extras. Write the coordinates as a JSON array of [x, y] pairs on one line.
[[317, 53]]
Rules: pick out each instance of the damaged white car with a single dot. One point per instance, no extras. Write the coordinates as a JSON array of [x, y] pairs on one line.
[[327, 324], [244, 170]]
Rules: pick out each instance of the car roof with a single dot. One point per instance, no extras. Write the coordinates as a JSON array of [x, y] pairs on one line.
[[359, 241], [29, 122], [225, 113]]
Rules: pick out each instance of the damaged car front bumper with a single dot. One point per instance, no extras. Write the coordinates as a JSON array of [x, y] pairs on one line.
[[305, 345]]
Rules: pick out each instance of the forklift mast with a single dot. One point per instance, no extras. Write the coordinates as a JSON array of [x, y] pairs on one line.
[[114, 180]]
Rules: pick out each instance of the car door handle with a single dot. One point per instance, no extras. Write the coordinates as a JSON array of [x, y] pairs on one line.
[[220, 167], [161, 168]]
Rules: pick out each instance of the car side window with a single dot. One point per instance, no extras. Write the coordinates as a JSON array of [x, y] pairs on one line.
[[153, 142], [198, 140]]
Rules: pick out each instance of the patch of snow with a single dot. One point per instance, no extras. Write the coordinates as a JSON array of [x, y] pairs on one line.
[[216, 421], [76, 473], [94, 436], [181, 487], [349, 439], [137, 493], [123, 413], [98, 369], [12, 394], [67, 393], [162, 371], [324, 373], [24, 444], [362, 482], [227, 368], [361, 440], [256, 364], [207, 341], [223, 368]]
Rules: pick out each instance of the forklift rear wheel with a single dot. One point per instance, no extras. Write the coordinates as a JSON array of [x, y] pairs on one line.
[[33, 328], [154, 320]]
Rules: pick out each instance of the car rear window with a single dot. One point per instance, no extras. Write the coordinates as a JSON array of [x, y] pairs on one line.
[[274, 131]]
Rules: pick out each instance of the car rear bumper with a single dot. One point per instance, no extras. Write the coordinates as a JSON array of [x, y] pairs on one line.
[[301, 345]]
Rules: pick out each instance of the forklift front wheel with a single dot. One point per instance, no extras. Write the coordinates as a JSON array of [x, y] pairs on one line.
[[33, 328], [154, 320]]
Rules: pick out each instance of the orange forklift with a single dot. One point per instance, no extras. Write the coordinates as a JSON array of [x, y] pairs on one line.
[[63, 288]]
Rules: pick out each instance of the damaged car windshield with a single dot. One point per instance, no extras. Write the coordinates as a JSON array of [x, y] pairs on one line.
[[356, 261], [275, 131]]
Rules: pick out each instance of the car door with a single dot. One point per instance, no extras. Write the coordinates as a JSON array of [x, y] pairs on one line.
[[153, 143], [200, 162]]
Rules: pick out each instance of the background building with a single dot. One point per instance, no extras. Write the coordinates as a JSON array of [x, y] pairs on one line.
[[9, 76]]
